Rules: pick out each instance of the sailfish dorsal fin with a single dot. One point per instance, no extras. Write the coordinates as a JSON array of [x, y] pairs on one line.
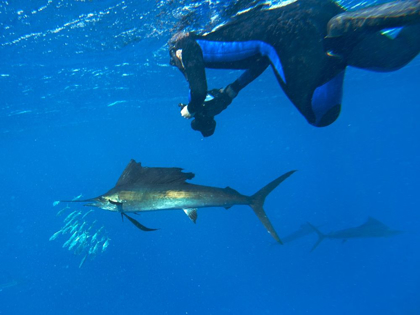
[[374, 222], [131, 172], [134, 173]]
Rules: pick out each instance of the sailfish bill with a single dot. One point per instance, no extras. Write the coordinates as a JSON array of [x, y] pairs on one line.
[[141, 189]]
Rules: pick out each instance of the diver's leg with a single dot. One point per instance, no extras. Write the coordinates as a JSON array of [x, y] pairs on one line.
[[374, 18], [356, 36], [378, 52]]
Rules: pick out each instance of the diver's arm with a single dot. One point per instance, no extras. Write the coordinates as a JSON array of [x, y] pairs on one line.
[[248, 76], [193, 63], [219, 99]]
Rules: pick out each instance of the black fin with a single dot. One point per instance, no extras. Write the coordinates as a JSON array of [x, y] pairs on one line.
[[137, 224]]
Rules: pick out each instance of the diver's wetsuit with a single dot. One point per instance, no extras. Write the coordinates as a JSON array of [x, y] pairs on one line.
[[309, 44]]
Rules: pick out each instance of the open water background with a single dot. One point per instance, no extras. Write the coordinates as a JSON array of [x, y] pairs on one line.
[[85, 87]]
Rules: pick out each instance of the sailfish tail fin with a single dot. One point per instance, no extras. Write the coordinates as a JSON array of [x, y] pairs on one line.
[[257, 203], [321, 236]]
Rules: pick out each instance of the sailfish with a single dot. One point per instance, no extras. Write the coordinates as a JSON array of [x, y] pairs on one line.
[[141, 189], [371, 228]]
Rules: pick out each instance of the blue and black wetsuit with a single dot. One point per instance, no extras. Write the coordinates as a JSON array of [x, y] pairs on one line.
[[308, 43]]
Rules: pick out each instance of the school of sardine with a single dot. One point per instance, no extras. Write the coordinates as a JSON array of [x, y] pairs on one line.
[[85, 238]]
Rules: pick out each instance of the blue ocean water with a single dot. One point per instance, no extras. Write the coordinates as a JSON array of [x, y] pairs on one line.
[[86, 87]]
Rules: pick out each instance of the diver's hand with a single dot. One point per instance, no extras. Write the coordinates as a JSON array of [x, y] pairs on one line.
[[205, 124], [184, 111]]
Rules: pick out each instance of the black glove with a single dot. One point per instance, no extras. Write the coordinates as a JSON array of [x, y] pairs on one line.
[[218, 100], [206, 125], [204, 121]]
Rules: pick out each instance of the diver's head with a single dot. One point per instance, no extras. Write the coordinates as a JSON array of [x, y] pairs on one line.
[[175, 52], [176, 59], [173, 42]]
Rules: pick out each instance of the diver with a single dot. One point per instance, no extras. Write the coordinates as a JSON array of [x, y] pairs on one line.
[[308, 43]]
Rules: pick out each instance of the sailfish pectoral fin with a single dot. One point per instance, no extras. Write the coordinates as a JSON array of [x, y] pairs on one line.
[[191, 213], [137, 224]]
